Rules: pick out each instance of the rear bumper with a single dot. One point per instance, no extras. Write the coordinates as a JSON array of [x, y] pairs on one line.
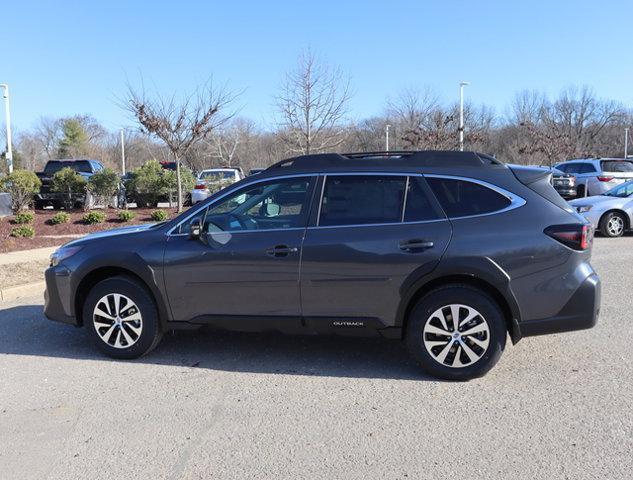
[[567, 192], [579, 313], [57, 295], [199, 196]]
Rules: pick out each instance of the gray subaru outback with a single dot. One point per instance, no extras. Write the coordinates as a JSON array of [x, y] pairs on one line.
[[451, 252]]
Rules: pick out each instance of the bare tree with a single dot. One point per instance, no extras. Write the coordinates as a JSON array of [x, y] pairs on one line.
[[48, 131], [230, 143], [180, 125], [312, 104], [576, 124], [412, 111]]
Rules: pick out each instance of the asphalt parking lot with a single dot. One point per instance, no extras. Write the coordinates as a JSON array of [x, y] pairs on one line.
[[224, 405]]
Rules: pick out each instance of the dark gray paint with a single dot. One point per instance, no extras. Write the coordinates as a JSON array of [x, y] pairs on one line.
[[339, 272]]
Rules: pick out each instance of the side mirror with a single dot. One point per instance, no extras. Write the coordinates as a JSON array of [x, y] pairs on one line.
[[195, 229]]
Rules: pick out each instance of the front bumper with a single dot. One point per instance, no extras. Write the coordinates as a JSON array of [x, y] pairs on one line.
[[579, 313], [57, 296]]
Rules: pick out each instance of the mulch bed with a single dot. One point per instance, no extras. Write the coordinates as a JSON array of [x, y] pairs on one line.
[[76, 226]]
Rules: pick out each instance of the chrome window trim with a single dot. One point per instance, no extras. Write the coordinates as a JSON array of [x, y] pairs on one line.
[[318, 219], [515, 200], [358, 225], [231, 190], [404, 202]]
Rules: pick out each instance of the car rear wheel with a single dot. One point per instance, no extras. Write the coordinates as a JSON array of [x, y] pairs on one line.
[[122, 318], [456, 332], [612, 224]]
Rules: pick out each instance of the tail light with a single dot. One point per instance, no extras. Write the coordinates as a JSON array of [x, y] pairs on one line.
[[576, 236], [200, 186], [605, 179]]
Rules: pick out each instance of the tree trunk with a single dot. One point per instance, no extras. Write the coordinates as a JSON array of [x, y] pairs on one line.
[[179, 203]]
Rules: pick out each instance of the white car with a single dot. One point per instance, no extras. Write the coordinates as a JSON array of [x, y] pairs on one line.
[[214, 179], [610, 213], [597, 176]]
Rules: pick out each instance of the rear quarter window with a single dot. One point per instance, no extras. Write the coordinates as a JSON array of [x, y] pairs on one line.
[[463, 198]]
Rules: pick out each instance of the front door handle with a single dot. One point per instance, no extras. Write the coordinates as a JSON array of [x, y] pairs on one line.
[[414, 245], [281, 251]]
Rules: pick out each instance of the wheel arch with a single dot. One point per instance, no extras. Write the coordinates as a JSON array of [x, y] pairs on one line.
[[508, 306], [627, 218], [96, 275]]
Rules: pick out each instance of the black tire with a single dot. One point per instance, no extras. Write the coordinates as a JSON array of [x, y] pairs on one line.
[[612, 224], [580, 191], [150, 333], [490, 314]]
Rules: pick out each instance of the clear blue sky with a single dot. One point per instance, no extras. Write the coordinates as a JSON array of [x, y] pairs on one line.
[[67, 58]]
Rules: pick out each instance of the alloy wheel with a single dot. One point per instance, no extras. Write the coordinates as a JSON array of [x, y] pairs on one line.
[[456, 335], [117, 320], [615, 226]]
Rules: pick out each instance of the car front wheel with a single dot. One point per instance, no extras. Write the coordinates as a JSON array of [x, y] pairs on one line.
[[121, 318], [612, 225], [456, 332]]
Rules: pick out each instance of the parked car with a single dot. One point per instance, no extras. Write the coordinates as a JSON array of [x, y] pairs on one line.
[[450, 251], [213, 179], [85, 168], [564, 183], [597, 176], [610, 213]]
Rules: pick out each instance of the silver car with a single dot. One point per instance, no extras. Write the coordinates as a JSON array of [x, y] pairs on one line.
[[595, 176], [610, 213]]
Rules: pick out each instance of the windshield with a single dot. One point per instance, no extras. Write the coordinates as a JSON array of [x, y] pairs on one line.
[[217, 176], [622, 191], [617, 166]]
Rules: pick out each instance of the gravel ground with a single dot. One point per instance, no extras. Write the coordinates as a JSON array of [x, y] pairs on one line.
[[20, 273], [220, 405]]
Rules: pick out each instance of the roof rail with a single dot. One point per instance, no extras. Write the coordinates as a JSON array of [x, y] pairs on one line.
[[435, 158]]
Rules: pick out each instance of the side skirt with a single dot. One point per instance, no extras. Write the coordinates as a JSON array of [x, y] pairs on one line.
[[344, 326]]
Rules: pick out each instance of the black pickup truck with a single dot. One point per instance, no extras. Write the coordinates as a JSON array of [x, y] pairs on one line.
[[85, 168]]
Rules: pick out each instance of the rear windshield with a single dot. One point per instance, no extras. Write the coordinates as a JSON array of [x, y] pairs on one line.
[[217, 176], [77, 166], [617, 166]]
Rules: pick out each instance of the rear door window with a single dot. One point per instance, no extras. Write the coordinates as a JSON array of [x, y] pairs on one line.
[[587, 168], [463, 198], [362, 200], [570, 168], [419, 204]]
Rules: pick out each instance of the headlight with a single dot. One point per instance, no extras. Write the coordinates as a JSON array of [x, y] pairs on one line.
[[583, 208], [62, 254]]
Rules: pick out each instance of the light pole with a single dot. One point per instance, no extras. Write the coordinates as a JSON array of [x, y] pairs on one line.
[[626, 142], [7, 108], [387, 138], [461, 115], [123, 151]]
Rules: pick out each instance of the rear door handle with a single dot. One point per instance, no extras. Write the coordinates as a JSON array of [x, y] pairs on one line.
[[415, 245], [281, 251]]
